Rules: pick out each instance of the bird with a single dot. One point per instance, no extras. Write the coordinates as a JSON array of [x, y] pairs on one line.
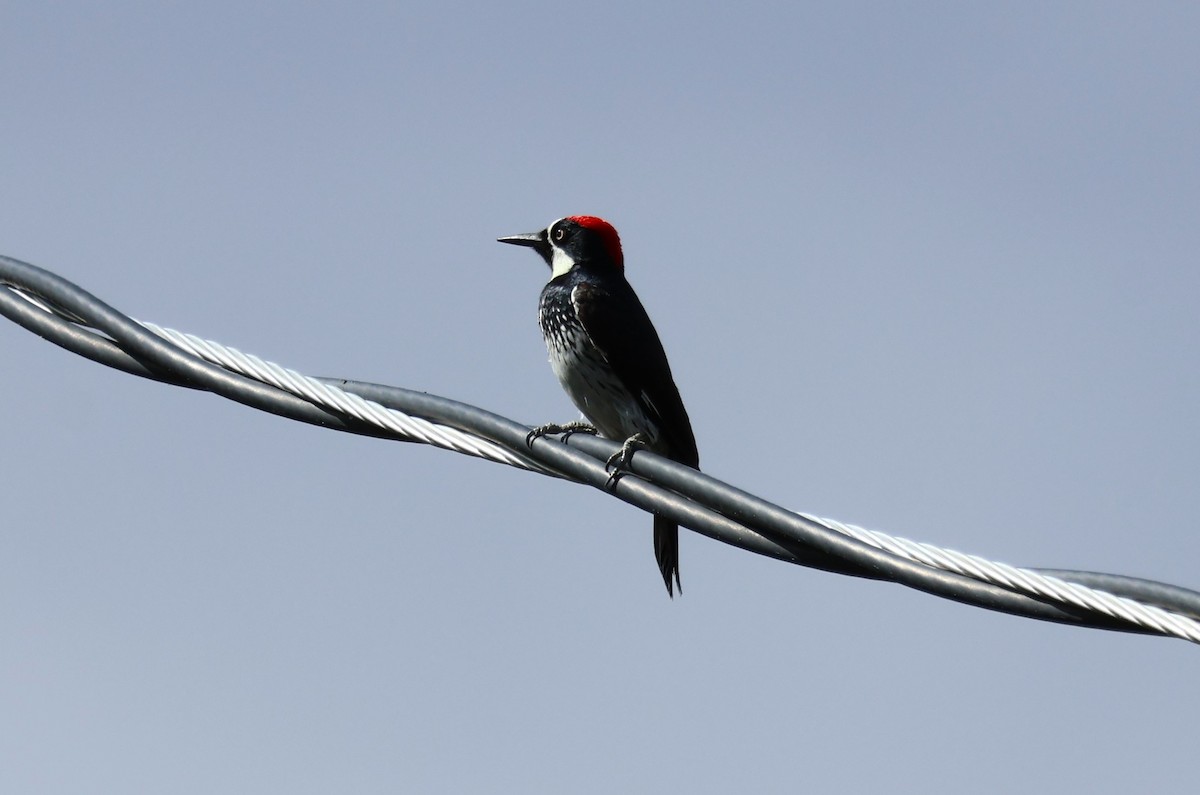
[[608, 357]]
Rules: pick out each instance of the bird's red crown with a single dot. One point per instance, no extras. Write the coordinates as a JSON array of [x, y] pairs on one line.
[[608, 234]]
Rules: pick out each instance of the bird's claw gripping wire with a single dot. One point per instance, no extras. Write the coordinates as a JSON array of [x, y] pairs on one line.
[[619, 461], [566, 428]]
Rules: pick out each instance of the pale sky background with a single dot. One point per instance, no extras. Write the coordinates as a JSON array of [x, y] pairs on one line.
[[929, 268]]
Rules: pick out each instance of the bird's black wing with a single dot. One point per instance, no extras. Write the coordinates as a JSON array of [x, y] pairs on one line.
[[619, 327]]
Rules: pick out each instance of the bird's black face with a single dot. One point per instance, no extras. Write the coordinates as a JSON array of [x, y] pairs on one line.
[[574, 240]]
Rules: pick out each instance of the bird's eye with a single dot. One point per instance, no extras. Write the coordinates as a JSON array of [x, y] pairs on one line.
[[559, 234]]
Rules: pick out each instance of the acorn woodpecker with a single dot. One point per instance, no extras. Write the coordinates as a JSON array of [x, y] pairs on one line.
[[607, 355]]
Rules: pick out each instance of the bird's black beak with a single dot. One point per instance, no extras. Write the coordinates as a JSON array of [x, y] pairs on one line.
[[535, 240]]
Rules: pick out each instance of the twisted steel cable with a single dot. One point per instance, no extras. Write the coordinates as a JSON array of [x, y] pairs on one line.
[[68, 316]]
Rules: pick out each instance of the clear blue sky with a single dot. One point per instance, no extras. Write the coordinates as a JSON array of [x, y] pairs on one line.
[[930, 268]]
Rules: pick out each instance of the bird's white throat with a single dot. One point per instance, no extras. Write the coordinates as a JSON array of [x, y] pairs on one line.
[[560, 262]]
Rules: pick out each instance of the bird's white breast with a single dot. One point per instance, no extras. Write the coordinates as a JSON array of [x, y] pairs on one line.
[[592, 386]]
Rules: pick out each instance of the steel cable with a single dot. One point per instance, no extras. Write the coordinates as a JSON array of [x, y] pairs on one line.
[[68, 316]]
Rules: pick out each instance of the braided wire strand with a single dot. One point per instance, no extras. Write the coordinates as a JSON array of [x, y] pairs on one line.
[[416, 429], [1024, 580]]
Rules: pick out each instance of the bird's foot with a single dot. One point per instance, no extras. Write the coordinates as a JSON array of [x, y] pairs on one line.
[[619, 461], [567, 428]]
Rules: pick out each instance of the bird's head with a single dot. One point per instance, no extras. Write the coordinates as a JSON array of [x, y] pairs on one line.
[[572, 241]]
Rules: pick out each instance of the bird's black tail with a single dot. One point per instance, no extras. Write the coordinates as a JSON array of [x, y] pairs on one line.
[[666, 552]]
